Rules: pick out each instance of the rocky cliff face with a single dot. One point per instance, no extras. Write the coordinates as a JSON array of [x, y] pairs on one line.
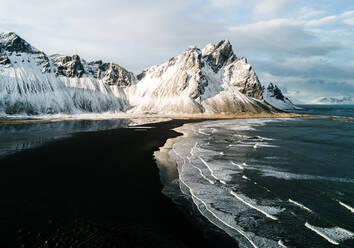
[[273, 96], [211, 80], [110, 73], [4, 60], [241, 74], [67, 66], [11, 42], [33, 83]]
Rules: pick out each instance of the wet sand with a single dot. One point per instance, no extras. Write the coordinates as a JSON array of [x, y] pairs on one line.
[[95, 189]]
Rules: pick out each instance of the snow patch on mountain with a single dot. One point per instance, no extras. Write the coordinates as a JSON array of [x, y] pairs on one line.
[[273, 96], [208, 81], [335, 100], [212, 80], [33, 83]]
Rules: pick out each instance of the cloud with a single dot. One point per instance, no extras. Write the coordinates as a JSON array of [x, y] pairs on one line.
[[136, 32], [339, 19], [280, 36], [259, 7], [225, 3], [297, 42], [308, 13], [308, 68], [271, 7], [305, 90], [349, 21], [322, 21]]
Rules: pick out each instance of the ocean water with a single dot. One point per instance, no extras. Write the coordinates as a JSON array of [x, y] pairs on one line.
[[274, 182], [26, 135]]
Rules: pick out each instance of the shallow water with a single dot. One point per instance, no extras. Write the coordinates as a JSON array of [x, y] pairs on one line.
[[272, 182], [18, 137]]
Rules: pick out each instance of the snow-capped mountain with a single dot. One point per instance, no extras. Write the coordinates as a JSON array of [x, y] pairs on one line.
[[273, 96], [335, 100], [212, 81], [33, 83]]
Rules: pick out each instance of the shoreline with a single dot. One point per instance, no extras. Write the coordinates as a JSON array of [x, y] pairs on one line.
[[149, 118], [171, 188], [164, 157], [104, 185], [164, 132]]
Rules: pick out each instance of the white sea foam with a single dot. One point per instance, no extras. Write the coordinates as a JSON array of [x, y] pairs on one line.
[[281, 244], [211, 170], [224, 222], [346, 206], [203, 176], [255, 145], [258, 208], [272, 172], [272, 158], [201, 132], [238, 165], [241, 145], [334, 235], [208, 179], [251, 239], [300, 205]]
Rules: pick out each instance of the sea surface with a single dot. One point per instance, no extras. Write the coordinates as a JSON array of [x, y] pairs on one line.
[[25, 135], [266, 182], [274, 182]]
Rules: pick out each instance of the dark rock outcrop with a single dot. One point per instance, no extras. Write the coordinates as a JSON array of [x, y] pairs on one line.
[[219, 55], [69, 66], [275, 92], [245, 79], [116, 75], [43, 61], [4, 60], [110, 73], [11, 42]]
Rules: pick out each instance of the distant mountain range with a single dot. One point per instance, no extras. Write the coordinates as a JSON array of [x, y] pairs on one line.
[[211, 80], [335, 100]]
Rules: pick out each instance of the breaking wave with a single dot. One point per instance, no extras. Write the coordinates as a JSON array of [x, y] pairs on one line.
[[333, 235], [231, 190]]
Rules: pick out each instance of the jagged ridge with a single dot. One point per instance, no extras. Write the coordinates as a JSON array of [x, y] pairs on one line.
[[33, 83], [335, 100], [211, 80], [273, 96]]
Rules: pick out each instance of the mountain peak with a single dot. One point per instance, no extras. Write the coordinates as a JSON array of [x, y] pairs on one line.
[[275, 91], [11, 42], [218, 55], [273, 96], [335, 100], [223, 46]]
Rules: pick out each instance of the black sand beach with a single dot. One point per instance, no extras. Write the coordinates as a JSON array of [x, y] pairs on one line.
[[96, 189]]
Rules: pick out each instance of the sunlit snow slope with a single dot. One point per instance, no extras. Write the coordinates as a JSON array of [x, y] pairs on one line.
[[208, 81], [212, 80], [273, 96], [33, 83]]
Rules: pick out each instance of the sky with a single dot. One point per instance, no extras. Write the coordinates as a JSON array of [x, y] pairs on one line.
[[305, 47]]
